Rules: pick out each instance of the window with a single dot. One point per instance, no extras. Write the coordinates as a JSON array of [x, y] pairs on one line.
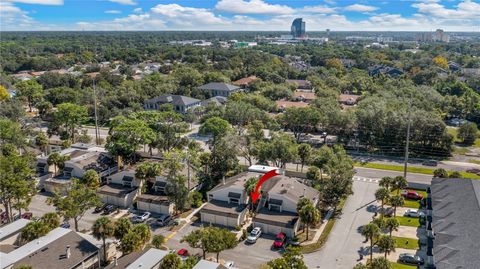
[[233, 201], [274, 207]]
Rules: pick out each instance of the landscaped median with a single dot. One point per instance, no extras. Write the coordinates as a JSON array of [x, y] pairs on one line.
[[407, 221], [410, 169], [396, 265], [406, 243]]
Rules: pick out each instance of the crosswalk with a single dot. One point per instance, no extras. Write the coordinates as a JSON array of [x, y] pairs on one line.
[[366, 179]]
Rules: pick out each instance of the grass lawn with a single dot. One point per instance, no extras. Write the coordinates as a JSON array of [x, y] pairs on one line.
[[406, 221], [396, 265], [474, 161], [411, 169], [407, 243], [411, 203], [302, 236]]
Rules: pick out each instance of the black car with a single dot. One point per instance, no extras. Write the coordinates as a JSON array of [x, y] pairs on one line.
[[109, 209], [410, 259], [65, 225], [430, 163], [99, 209]]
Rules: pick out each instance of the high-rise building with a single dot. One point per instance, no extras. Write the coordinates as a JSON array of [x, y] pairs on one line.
[[440, 36], [298, 28]]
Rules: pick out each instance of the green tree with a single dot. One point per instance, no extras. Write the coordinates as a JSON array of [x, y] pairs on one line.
[[197, 239], [300, 120], [382, 195], [321, 157], [468, 133], [379, 263], [391, 224], [103, 228], [171, 261], [280, 150], [396, 201], [91, 179], [4, 95], [75, 204], [440, 173], [313, 173], [292, 258], [57, 160], [360, 266], [386, 182], [177, 192], [69, 117], [455, 174], [126, 136], [309, 215], [41, 141], [249, 187], [16, 187], [220, 239], [34, 230], [147, 171], [135, 239], [122, 227], [30, 90], [386, 243], [216, 127], [371, 232], [158, 240], [304, 153], [399, 183], [51, 219]]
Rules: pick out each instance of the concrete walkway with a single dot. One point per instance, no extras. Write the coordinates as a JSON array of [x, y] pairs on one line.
[[319, 231]]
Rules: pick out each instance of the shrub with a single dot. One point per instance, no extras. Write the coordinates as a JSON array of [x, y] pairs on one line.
[[455, 174], [313, 173], [196, 198], [440, 173]]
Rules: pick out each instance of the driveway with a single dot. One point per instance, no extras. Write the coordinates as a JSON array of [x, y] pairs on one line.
[[341, 251]]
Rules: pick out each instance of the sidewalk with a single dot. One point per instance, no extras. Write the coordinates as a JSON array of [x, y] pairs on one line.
[[319, 232]]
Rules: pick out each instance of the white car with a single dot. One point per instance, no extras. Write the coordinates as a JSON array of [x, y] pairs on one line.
[[141, 218], [229, 264], [254, 235], [413, 213]]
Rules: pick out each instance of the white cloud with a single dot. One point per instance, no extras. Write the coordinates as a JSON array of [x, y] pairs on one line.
[[138, 10], [319, 9], [13, 16], [360, 8], [113, 11], [465, 10], [252, 7], [178, 15], [124, 2], [39, 2]]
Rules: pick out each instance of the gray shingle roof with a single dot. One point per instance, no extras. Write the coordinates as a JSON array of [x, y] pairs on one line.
[[179, 100], [456, 218], [219, 86]]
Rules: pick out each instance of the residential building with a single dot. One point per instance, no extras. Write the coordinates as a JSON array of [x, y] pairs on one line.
[[10, 234], [282, 105], [453, 214], [204, 264], [245, 82], [378, 70], [180, 103], [155, 200], [348, 99], [304, 96], [219, 89], [149, 258], [297, 29], [121, 189], [277, 209], [217, 100], [60, 248]]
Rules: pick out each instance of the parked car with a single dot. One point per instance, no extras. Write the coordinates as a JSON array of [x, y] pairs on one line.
[[183, 253], [99, 209], [430, 163], [412, 195], [413, 213], [387, 211], [293, 242], [229, 264], [164, 220], [474, 171], [109, 209], [254, 235], [27, 215], [410, 259], [280, 240], [141, 218], [65, 225]]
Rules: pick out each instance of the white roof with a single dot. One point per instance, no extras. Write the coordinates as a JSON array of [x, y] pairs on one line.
[[204, 264], [33, 246], [261, 168], [149, 259], [12, 228]]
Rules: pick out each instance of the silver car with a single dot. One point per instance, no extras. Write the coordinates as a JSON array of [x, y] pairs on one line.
[[254, 235], [413, 213]]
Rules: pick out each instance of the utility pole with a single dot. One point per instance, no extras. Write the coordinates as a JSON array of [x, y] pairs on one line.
[[97, 133], [409, 123]]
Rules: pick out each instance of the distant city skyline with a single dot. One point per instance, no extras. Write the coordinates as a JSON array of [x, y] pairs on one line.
[[239, 15]]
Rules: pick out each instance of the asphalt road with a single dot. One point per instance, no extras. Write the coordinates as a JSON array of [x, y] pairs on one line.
[[376, 173], [342, 246]]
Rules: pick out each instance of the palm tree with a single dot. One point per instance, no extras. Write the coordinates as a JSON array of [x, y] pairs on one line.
[[391, 224], [102, 229], [399, 183], [382, 195], [379, 263], [386, 182], [54, 160], [396, 201], [309, 215], [386, 243], [371, 231], [171, 261], [249, 187], [147, 171], [158, 240]]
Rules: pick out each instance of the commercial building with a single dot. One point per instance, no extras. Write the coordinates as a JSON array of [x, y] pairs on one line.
[[298, 28]]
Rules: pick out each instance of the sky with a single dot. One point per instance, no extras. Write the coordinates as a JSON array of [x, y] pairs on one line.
[[239, 15]]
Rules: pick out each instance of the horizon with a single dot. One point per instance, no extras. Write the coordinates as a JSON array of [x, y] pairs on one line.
[[239, 15]]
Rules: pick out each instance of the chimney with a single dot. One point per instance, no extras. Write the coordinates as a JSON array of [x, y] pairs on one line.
[[115, 260], [67, 254], [223, 180]]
